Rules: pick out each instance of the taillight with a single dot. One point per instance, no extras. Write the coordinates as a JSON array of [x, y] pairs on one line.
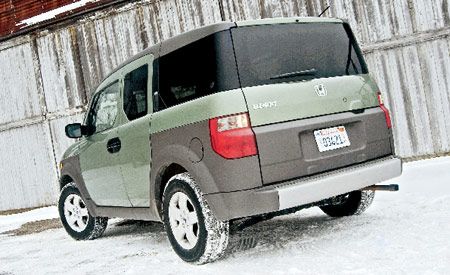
[[385, 110], [232, 136]]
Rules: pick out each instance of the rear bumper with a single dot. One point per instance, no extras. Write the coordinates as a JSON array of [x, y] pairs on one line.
[[232, 205]]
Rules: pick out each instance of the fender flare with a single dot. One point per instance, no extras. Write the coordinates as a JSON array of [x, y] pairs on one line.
[[71, 168], [180, 155]]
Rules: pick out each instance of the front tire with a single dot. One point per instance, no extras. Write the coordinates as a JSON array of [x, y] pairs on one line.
[[354, 203], [75, 216], [195, 234]]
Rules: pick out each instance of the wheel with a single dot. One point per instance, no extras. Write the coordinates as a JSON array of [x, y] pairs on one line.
[[354, 203], [75, 216], [195, 234]]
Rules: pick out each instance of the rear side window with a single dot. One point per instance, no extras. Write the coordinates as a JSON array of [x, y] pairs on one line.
[[103, 112], [135, 93], [201, 68], [269, 54]]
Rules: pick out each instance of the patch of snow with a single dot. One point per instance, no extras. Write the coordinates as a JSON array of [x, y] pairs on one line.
[[52, 13], [14, 221], [405, 232]]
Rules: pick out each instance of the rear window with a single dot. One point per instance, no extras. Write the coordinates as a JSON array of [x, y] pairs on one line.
[[292, 52]]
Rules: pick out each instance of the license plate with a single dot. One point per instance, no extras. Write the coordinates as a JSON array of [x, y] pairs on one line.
[[331, 138]]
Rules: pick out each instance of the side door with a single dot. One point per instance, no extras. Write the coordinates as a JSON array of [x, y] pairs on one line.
[[134, 132], [100, 163]]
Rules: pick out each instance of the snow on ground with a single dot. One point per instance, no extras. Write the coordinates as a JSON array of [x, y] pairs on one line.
[[402, 232]]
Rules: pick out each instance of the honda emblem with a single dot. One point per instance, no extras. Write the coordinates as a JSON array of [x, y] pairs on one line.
[[320, 90]]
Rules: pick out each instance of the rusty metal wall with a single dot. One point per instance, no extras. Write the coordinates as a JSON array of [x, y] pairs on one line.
[[47, 76]]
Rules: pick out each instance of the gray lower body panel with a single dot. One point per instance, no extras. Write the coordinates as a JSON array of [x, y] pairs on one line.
[[289, 150], [232, 205]]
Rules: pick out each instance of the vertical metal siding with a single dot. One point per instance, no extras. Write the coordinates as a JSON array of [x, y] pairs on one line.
[[27, 175], [89, 56], [180, 16], [48, 76], [415, 83], [18, 97], [62, 79], [236, 10], [149, 15]]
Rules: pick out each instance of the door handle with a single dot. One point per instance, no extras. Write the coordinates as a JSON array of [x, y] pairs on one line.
[[113, 145]]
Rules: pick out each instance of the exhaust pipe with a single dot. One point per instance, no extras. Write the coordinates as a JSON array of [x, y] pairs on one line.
[[390, 187]]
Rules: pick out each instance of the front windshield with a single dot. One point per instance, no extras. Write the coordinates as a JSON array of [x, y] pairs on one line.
[[269, 54]]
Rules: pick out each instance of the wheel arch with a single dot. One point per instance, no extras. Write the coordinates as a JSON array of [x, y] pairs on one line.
[[161, 180], [64, 180], [71, 172]]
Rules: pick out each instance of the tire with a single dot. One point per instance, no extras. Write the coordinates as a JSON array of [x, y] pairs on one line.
[[195, 234], [355, 203], [75, 217]]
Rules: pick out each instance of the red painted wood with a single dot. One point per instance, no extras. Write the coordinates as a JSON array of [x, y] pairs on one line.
[[12, 12]]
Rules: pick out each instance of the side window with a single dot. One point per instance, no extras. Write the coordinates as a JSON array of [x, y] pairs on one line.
[[188, 73], [135, 93], [104, 109], [201, 68]]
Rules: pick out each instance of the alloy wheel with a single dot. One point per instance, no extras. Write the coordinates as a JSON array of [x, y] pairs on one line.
[[183, 220]]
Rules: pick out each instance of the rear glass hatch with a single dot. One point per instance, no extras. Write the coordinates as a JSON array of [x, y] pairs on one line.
[[311, 102], [268, 54]]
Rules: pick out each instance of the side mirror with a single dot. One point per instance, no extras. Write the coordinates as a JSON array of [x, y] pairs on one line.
[[75, 130]]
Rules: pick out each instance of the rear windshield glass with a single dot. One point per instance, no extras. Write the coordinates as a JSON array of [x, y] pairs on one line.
[[292, 52]]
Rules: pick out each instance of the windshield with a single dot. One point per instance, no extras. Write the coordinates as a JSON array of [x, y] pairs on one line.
[[293, 52]]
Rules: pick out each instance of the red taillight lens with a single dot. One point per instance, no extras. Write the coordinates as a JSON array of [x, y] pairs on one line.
[[232, 136], [385, 110]]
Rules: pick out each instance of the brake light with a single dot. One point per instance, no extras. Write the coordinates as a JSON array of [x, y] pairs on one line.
[[232, 136], [385, 110]]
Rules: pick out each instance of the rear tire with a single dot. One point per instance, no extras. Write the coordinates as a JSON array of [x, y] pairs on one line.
[[75, 216], [355, 203], [194, 232]]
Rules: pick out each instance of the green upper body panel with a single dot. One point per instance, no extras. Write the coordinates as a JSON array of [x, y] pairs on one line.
[[204, 108], [297, 100]]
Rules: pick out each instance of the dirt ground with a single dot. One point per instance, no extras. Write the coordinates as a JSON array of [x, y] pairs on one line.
[[17, 211], [35, 227]]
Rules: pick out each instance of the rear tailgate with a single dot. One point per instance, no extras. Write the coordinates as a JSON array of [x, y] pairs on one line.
[[285, 117], [289, 101]]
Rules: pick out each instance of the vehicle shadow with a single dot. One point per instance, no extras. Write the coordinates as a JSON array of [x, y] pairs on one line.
[[293, 230], [133, 227]]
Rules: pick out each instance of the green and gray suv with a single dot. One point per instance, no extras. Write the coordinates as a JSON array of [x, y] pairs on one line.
[[226, 124]]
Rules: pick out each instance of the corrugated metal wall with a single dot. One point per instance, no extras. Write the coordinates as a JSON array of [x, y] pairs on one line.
[[46, 77]]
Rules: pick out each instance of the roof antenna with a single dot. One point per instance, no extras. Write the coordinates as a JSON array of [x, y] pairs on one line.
[[324, 11]]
